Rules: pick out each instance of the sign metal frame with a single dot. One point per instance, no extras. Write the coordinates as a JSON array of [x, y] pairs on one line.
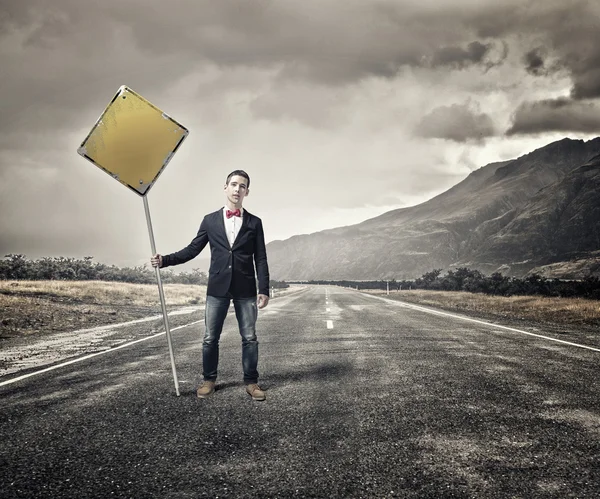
[[133, 140]]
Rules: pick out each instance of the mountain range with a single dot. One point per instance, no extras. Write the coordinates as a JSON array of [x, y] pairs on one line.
[[537, 213]]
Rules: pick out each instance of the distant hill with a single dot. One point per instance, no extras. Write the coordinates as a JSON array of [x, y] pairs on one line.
[[539, 212]]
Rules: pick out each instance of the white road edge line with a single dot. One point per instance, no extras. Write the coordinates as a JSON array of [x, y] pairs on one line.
[[329, 324], [431, 311], [89, 356]]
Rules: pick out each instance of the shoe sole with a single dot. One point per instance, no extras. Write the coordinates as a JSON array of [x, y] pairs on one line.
[[206, 395], [258, 399]]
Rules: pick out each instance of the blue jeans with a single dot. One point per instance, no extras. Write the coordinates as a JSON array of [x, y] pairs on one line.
[[215, 312]]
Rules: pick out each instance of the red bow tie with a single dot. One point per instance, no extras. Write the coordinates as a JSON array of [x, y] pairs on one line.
[[234, 213]]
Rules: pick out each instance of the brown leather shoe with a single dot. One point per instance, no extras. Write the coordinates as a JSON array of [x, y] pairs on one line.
[[205, 389], [255, 392]]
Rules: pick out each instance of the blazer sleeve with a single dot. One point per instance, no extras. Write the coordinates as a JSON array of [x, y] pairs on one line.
[[191, 250], [260, 259]]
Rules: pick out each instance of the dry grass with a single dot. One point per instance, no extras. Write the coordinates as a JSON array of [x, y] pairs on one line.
[[569, 311], [28, 307], [104, 293]]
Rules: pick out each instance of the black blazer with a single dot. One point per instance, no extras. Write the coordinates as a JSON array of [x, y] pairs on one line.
[[231, 267]]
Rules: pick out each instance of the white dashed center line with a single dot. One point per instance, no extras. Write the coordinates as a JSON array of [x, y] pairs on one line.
[[329, 323]]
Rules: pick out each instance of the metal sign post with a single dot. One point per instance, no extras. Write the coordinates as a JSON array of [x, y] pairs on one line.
[[162, 296], [133, 141]]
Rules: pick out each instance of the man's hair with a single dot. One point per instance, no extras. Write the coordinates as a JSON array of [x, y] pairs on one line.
[[241, 173]]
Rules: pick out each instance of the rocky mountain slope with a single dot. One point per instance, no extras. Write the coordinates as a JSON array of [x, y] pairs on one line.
[[561, 223], [514, 216]]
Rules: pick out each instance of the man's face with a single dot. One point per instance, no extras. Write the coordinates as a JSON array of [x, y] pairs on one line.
[[236, 190]]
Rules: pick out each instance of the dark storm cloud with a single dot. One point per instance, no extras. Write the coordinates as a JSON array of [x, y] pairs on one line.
[[568, 31], [457, 122], [534, 62], [559, 115], [63, 60], [587, 83], [328, 41], [475, 53]]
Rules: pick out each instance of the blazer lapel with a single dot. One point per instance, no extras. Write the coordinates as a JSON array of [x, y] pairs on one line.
[[221, 227], [245, 222]]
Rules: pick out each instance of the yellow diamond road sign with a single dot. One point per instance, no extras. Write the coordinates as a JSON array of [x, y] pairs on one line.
[[133, 140]]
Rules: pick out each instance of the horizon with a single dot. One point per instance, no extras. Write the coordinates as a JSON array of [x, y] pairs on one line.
[[202, 261]]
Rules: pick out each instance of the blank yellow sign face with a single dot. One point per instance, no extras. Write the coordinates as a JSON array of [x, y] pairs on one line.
[[133, 140]]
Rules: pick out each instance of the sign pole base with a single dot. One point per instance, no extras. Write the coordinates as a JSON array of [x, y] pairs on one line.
[[162, 296]]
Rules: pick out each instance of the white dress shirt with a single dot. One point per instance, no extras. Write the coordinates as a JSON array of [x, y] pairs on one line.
[[232, 225]]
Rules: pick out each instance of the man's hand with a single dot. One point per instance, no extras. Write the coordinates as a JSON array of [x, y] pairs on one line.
[[262, 300], [156, 260]]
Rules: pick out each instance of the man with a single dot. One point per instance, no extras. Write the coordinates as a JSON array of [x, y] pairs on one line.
[[236, 242]]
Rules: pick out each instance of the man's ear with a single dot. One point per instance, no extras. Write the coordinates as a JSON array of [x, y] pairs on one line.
[[247, 193]]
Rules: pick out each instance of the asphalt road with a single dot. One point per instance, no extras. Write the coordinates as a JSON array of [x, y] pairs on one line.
[[366, 397]]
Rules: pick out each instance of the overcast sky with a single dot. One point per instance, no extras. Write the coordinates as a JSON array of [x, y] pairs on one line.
[[339, 110]]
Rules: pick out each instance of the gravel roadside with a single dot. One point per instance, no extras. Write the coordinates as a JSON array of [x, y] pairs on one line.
[[19, 354]]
